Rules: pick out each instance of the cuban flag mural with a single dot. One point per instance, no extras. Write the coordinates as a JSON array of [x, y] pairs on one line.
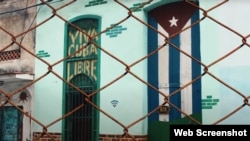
[[170, 69]]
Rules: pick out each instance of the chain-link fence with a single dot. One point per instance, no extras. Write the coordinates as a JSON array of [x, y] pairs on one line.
[[76, 74]]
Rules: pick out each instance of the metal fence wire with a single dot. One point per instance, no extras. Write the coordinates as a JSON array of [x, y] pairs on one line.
[[18, 58]]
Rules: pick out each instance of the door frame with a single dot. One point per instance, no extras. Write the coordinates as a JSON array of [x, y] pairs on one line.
[[97, 74]]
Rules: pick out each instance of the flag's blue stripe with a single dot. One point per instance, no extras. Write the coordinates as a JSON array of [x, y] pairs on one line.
[[196, 68], [153, 96], [174, 78], [174, 71]]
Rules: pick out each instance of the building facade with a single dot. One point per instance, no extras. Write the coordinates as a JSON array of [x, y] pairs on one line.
[[16, 69], [92, 61], [113, 70]]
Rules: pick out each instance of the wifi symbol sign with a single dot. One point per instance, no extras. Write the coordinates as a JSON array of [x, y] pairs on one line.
[[114, 102]]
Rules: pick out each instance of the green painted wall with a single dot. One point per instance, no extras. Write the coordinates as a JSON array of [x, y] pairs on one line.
[[128, 45]]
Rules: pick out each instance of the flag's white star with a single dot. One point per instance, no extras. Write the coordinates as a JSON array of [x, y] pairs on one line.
[[173, 21]]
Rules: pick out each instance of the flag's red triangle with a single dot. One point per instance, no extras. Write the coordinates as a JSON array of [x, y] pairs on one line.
[[173, 17]]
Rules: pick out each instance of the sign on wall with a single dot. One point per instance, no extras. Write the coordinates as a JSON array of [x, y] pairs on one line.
[[81, 48]]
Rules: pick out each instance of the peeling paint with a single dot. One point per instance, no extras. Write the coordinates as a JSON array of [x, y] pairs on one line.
[[16, 67]]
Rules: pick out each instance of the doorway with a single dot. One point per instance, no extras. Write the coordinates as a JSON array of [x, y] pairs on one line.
[[11, 124], [79, 126]]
